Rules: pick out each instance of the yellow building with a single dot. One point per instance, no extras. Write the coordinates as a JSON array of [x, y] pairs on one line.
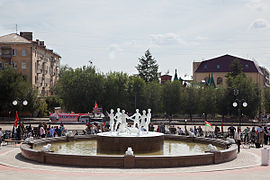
[[32, 59], [220, 66]]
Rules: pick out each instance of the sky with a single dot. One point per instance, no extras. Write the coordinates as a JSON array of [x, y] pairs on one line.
[[113, 34]]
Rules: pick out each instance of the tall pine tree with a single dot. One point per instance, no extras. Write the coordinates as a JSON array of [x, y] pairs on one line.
[[148, 67]]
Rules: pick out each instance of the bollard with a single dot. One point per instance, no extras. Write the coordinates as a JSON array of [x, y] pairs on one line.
[[265, 157]]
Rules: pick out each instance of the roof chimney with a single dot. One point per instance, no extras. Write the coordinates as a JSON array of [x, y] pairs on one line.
[[27, 35]]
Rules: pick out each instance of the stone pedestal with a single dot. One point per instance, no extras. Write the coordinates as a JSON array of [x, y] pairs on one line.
[[117, 144]]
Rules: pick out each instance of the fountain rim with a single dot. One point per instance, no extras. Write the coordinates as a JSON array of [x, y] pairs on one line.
[[118, 161]]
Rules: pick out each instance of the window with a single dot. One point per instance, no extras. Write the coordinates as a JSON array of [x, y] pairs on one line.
[[219, 80], [246, 66], [205, 66], [6, 52], [24, 52], [218, 66], [14, 52], [24, 65], [0, 65]]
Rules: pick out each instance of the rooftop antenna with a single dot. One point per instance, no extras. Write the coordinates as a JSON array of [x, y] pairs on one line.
[[16, 29]]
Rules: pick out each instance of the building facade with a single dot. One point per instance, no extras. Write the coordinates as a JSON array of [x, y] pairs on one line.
[[38, 64], [165, 78], [220, 66]]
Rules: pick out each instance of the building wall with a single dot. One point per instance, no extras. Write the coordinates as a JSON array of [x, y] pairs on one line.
[[256, 77], [46, 67], [17, 60], [195, 66]]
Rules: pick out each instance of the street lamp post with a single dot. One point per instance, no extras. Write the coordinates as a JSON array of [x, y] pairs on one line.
[[15, 103], [238, 103]]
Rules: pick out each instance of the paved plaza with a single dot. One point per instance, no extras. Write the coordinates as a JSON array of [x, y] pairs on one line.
[[246, 166]]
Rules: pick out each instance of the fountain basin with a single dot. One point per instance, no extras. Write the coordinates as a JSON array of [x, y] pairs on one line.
[[137, 161]]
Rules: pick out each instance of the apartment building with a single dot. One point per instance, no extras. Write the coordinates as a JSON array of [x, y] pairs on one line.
[[38, 64]]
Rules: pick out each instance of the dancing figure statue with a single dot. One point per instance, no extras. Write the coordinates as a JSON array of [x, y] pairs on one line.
[[123, 125], [136, 119], [111, 116], [143, 117], [118, 119], [148, 120]]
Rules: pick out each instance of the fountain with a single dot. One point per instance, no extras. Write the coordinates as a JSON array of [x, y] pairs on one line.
[[137, 136], [129, 146]]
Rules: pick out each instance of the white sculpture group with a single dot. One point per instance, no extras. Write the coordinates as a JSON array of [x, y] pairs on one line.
[[120, 118]]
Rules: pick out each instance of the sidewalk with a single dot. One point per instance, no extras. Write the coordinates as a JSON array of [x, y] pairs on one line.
[[246, 166]]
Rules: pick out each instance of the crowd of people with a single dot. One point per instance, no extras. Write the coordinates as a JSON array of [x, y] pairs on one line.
[[257, 136], [43, 130]]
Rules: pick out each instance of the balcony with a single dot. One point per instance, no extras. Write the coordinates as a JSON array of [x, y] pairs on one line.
[[39, 71]]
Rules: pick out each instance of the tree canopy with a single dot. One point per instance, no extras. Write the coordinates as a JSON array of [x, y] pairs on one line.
[[148, 67], [14, 86]]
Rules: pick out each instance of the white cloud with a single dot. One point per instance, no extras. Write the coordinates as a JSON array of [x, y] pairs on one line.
[[113, 50], [260, 24], [166, 39], [201, 38], [256, 4]]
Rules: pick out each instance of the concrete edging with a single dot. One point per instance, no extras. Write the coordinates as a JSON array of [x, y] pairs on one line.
[[106, 161]]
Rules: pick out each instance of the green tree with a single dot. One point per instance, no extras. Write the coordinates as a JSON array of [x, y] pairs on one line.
[[222, 102], [267, 100], [236, 68], [52, 102], [115, 91], [248, 91], [148, 67], [154, 96], [207, 100], [43, 108], [13, 86], [80, 88], [136, 93], [191, 100], [172, 97]]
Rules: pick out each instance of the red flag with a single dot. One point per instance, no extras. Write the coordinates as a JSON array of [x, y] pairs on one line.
[[96, 106], [16, 120]]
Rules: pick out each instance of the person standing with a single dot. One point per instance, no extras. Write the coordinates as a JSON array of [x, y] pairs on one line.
[[42, 132], [265, 136], [51, 131], [237, 138], [1, 134], [246, 138], [261, 137]]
